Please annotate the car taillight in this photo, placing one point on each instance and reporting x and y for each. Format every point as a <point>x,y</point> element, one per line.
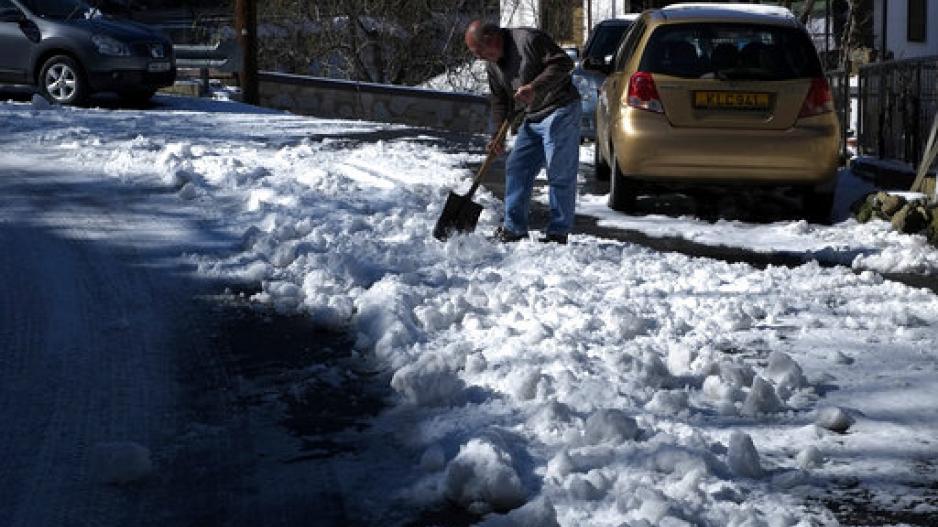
<point>819,99</point>
<point>643,94</point>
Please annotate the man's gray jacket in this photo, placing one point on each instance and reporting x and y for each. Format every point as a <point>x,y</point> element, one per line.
<point>530,56</point>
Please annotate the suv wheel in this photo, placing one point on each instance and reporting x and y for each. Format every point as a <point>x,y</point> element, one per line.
<point>622,192</point>
<point>62,81</point>
<point>601,167</point>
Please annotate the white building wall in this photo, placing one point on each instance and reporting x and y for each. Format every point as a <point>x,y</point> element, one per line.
<point>523,13</point>
<point>519,13</point>
<point>603,9</point>
<point>897,38</point>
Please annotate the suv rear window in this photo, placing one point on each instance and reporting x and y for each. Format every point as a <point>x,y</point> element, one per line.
<point>731,52</point>
<point>605,40</point>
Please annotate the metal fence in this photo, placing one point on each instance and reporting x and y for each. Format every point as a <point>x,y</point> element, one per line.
<point>840,89</point>
<point>898,101</point>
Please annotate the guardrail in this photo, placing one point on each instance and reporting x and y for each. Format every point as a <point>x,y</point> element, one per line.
<point>342,99</point>
<point>225,56</point>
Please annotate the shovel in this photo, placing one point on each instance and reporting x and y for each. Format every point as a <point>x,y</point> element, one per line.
<point>460,213</point>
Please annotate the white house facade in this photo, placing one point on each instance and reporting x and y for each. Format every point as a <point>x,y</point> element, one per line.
<point>906,28</point>
<point>585,13</point>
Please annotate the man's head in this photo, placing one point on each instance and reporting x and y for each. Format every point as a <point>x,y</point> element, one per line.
<point>484,40</point>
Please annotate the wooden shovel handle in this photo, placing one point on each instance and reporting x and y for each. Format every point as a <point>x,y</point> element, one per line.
<point>499,137</point>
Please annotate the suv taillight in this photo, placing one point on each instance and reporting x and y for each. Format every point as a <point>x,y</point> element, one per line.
<point>819,99</point>
<point>643,94</point>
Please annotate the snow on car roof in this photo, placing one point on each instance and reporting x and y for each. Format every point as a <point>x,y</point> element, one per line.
<point>726,11</point>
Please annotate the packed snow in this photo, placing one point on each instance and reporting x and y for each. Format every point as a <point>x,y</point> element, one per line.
<point>599,383</point>
<point>872,246</point>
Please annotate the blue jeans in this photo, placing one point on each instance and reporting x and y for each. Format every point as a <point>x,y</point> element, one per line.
<point>555,143</point>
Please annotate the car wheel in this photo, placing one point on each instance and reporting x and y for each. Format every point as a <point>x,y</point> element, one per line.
<point>62,80</point>
<point>817,205</point>
<point>622,192</point>
<point>601,167</point>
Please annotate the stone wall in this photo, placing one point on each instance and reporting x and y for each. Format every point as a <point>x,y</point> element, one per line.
<point>337,99</point>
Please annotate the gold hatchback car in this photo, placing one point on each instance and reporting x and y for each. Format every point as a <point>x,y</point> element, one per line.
<point>717,94</point>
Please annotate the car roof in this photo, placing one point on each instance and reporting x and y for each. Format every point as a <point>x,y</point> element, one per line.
<point>756,13</point>
<point>622,20</point>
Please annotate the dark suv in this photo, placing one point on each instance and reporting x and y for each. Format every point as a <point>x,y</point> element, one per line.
<point>603,41</point>
<point>69,50</point>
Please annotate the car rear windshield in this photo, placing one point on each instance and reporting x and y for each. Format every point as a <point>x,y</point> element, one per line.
<point>731,52</point>
<point>606,40</point>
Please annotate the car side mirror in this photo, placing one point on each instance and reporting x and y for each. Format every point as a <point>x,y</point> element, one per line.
<point>597,64</point>
<point>572,52</point>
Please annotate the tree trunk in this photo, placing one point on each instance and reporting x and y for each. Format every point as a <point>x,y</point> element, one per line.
<point>808,8</point>
<point>246,27</point>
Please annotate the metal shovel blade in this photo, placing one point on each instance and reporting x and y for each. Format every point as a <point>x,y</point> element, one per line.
<point>460,214</point>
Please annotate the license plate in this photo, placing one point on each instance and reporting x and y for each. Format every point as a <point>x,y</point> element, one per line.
<point>158,66</point>
<point>731,100</point>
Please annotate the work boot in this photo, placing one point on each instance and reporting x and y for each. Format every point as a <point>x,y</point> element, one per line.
<point>504,235</point>
<point>554,238</point>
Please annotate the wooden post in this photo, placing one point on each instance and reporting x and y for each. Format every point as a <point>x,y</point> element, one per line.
<point>246,27</point>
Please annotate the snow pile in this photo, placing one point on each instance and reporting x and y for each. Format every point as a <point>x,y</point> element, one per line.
<point>609,426</point>
<point>834,419</point>
<point>810,457</point>
<point>742,458</point>
<point>874,245</point>
<point>597,383</point>
<point>482,479</point>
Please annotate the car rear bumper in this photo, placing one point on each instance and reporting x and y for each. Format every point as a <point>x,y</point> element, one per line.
<point>648,147</point>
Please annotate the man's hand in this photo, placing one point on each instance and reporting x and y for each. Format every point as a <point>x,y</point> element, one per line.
<point>525,94</point>
<point>498,147</point>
